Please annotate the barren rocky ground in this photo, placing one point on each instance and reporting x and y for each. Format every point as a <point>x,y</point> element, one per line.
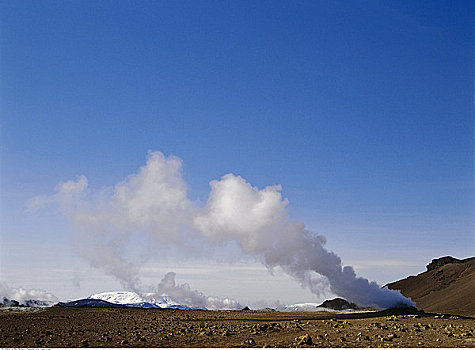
<point>127,327</point>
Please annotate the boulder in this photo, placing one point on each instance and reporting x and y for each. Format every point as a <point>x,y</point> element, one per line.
<point>304,340</point>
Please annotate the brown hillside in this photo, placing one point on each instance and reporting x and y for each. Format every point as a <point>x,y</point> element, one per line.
<point>448,288</point>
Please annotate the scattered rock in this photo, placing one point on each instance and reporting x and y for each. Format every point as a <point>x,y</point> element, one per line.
<point>390,337</point>
<point>165,328</point>
<point>249,342</point>
<point>304,340</point>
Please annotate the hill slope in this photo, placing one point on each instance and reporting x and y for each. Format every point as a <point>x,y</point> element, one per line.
<point>448,286</point>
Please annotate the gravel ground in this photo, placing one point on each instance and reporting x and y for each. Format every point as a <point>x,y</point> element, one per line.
<point>127,327</point>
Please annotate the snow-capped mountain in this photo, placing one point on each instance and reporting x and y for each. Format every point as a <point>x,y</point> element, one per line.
<point>132,299</point>
<point>118,297</point>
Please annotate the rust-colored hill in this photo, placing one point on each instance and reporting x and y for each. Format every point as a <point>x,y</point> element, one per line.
<point>448,286</point>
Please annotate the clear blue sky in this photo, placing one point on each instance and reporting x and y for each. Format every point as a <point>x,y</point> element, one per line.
<point>361,110</point>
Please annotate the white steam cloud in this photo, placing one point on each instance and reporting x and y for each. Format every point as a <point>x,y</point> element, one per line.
<point>26,297</point>
<point>154,202</point>
<point>193,298</point>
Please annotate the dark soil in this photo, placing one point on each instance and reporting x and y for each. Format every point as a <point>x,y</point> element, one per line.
<point>128,327</point>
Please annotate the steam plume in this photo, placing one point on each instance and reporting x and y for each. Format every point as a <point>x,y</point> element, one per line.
<point>154,202</point>
<point>29,297</point>
<point>258,221</point>
<point>193,298</point>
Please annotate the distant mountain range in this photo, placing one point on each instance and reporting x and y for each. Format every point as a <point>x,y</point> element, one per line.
<point>126,299</point>
<point>131,299</point>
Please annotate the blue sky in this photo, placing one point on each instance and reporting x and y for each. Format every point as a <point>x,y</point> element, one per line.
<point>362,111</point>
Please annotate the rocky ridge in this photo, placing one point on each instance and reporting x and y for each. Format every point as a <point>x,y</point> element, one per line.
<point>448,286</point>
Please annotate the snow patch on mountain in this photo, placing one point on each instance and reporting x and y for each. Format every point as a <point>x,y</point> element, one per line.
<point>118,297</point>
<point>132,299</point>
